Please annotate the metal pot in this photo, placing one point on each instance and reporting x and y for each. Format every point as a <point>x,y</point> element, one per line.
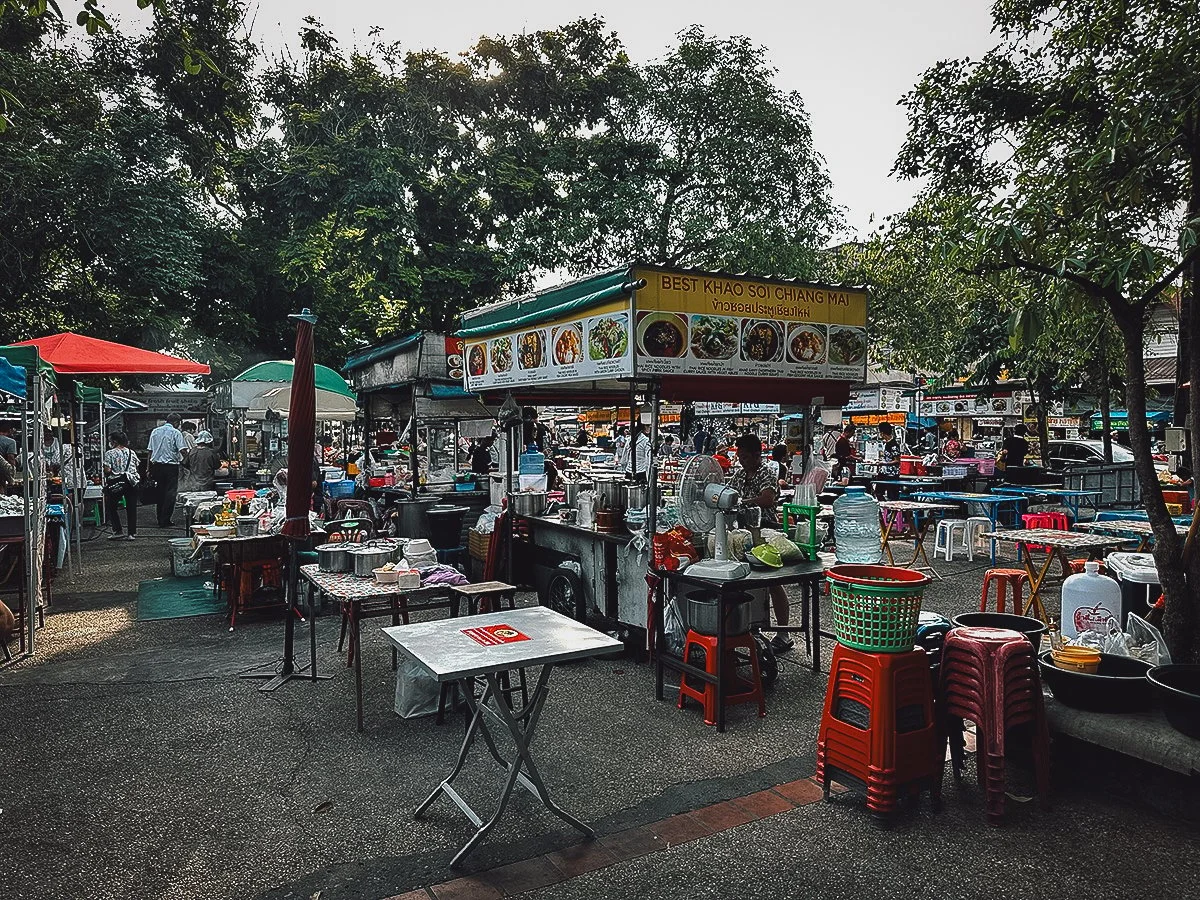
<point>608,493</point>
<point>368,558</point>
<point>570,491</point>
<point>704,612</point>
<point>333,558</point>
<point>529,503</point>
<point>636,496</point>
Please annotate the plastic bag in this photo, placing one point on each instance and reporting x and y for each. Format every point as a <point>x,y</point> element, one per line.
<point>673,631</point>
<point>417,691</point>
<point>1115,642</point>
<point>1146,642</point>
<point>740,540</point>
<point>486,523</point>
<point>788,551</point>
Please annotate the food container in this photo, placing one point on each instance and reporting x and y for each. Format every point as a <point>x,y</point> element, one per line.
<point>369,557</point>
<point>1178,689</point>
<point>704,612</point>
<point>634,496</point>
<point>200,530</point>
<point>1118,685</point>
<point>609,493</point>
<point>333,557</point>
<point>387,576</point>
<point>408,578</point>
<point>529,503</point>
<point>247,526</point>
<point>219,531</point>
<point>1076,659</point>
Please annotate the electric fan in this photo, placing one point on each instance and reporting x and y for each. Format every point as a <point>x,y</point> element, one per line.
<point>704,500</point>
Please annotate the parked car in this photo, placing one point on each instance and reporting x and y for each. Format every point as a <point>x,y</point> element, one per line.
<point>1068,454</point>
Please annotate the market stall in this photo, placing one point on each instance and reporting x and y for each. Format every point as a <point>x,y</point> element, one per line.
<point>639,335</point>
<point>415,383</point>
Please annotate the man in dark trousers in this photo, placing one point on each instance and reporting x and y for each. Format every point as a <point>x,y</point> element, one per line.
<point>167,449</point>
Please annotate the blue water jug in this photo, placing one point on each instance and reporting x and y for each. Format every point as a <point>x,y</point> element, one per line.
<point>856,530</point>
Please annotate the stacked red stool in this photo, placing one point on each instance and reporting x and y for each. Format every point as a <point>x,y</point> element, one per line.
<point>878,727</point>
<point>989,676</point>
<point>706,694</point>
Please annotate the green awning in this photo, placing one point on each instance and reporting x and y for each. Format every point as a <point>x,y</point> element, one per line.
<point>371,354</point>
<point>549,304</point>
<point>278,371</point>
<point>28,357</point>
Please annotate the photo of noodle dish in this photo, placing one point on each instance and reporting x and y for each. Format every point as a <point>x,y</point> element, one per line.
<point>568,345</point>
<point>806,344</point>
<point>762,341</point>
<point>714,337</point>
<point>501,353</point>
<point>531,349</point>
<point>662,334</point>
<point>847,346</point>
<point>477,360</point>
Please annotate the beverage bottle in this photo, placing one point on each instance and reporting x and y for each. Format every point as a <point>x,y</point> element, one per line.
<point>856,529</point>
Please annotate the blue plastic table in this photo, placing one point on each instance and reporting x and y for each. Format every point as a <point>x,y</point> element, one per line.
<point>1070,499</point>
<point>991,504</point>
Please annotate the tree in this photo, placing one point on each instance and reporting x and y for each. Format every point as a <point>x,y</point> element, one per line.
<point>705,162</point>
<point>1077,142</point>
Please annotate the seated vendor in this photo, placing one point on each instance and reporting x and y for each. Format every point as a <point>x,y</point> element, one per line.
<point>758,485</point>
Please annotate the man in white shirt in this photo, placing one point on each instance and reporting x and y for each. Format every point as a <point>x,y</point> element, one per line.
<point>637,454</point>
<point>167,449</point>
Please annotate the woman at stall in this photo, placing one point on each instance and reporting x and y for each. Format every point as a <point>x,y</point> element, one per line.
<point>758,485</point>
<point>889,466</point>
<point>952,448</point>
<point>121,483</point>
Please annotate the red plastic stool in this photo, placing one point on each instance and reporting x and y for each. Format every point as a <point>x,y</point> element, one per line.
<point>989,676</point>
<point>1008,581</point>
<point>1077,566</point>
<point>878,727</point>
<point>706,695</point>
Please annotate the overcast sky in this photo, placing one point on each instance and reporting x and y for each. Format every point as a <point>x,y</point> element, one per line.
<point>849,59</point>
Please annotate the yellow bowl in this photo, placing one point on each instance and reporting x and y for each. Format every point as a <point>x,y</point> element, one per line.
<point>1077,659</point>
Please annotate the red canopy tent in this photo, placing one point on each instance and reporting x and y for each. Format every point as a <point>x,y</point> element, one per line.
<point>74,354</point>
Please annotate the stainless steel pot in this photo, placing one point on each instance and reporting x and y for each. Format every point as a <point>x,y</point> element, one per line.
<point>529,503</point>
<point>570,491</point>
<point>704,612</point>
<point>608,493</point>
<point>333,558</point>
<point>369,557</point>
<point>635,496</point>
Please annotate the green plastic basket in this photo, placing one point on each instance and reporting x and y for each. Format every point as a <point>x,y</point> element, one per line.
<point>876,608</point>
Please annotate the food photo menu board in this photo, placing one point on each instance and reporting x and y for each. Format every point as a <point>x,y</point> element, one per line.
<point>593,346</point>
<point>695,324</point>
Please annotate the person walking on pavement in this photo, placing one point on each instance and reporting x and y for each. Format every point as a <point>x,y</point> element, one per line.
<point>120,483</point>
<point>167,449</point>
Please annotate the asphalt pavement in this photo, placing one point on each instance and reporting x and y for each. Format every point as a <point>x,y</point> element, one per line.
<point>138,765</point>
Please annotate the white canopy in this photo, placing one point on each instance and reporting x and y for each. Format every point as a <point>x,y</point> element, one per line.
<point>331,406</point>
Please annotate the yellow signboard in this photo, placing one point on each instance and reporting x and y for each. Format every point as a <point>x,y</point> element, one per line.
<point>697,324</point>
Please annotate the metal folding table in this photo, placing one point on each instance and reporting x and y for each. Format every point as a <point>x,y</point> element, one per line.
<point>808,575</point>
<point>1138,530</point>
<point>921,523</point>
<point>467,648</point>
<point>1070,499</point>
<point>354,593</point>
<point>1055,544</point>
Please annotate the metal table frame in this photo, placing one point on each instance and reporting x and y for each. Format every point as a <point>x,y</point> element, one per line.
<point>1054,544</point>
<point>398,607</point>
<point>1131,529</point>
<point>490,663</point>
<point>921,525</point>
<point>1071,499</point>
<point>807,575</point>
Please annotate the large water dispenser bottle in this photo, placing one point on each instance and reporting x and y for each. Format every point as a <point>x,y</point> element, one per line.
<point>856,530</point>
<point>1089,600</point>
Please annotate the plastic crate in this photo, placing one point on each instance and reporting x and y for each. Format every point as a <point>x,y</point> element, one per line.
<point>340,490</point>
<point>876,608</point>
<point>954,471</point>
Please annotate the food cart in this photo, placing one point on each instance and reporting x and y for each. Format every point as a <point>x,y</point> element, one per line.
<point>416,382</point>
<point>638,335</point>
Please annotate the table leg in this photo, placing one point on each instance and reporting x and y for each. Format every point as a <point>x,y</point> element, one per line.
<point>721,666</point>
<point>919,550</point>
<point>814,593</point>
<point>356,647</point>
<point>805,619</point>
<point>887,533</point>
<point>467,688</point>
<point>659,638</point>
<point>1034,603</point>
<point>312,630</point>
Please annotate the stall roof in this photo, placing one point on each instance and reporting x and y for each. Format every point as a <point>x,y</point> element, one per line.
<point>12,379</point>
<point>30,359</point>
<point>76,354</point>
<point>279,371</point>
<point>375,353</point>
<point>559,300</point>
<point>1152,415</point>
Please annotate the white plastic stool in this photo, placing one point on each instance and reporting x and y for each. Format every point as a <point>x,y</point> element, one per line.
<point>943,539</point>
<point>976,525</point>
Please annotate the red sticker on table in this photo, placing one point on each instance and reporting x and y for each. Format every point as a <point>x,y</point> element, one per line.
<point>492,635</point>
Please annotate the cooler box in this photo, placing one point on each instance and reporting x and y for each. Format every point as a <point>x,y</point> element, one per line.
<point>1138,577</point>
<point>532,464</point>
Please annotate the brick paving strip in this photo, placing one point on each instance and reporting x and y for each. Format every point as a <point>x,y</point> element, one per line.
<point>578,859</point>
